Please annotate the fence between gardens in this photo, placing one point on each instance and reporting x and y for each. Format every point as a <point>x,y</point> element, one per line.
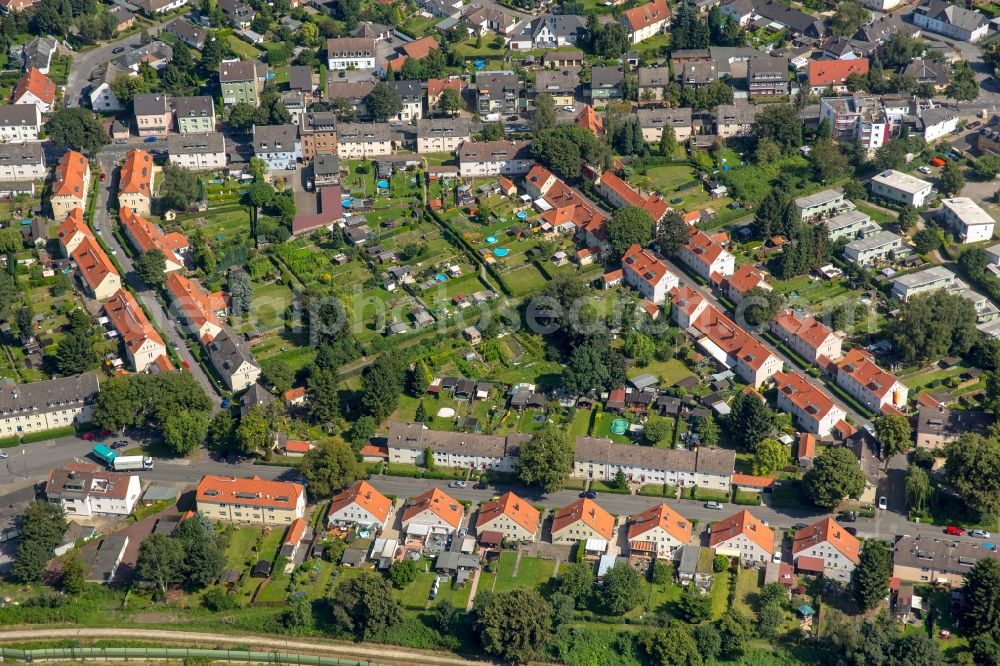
<point>126,653</point>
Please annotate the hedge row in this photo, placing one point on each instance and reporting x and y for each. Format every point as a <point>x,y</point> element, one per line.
<point>65,431</point>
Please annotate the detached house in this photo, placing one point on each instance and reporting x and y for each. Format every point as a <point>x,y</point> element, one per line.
<point>744,536</point>
<point>809,338</point>
<point>360,505</point>
<point>549,31</point>
<point>582,520</point>
<point>647,274</point>
<point>432,511</point>
<point>195,309</point>
<point>251,500</point>
<point>858,374</point>
<point>811,406</point>
<point>86,490</point>
<point>953,21</point>
<point>35,88</point>
<point>833,73</point>
<point>135,184</point>
<point>511,516</point>
<point>153,115</point>
<point>241,81</point>
<point>143,345</point>
<point>658,531</point>
<point>72,181</point>
<point>826,547</point>
<point>646,20</point>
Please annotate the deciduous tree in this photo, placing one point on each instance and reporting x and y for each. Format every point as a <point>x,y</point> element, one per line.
<point>161,560</point>
<point>546,459</point>
<point>972,466</point>
<point>834,475</point>
<point>622,589</point>
<point>329,467</point>
<point>514,625</point>
<point>184,431</point>
<point>629,226</point>
<point>365,606</point>
<point>770,456</point>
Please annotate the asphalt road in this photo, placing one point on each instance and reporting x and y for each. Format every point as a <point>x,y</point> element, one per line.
<point>146,295</point>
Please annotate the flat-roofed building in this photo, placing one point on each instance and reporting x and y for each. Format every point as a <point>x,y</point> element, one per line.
<point>931,279</point>
<point>971,223</point>
<point>901,188</point>
<point>819,203</point>
<point>879,247</point>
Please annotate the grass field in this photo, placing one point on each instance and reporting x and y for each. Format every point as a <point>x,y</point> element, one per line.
<point>720,593</point>
<point>531,572</point>
<point>670,371</point>
<point>417,594</point>
<point>747,584</point>
<point>242,49</point>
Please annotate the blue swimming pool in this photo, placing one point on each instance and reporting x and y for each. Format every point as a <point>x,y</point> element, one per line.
<point>479,64</point>
<point>501,252</point>
<point>347,203</point>
<point>383,184</point>
<point>440,277</point>
<point>522,215</point>
<point>491,239</point>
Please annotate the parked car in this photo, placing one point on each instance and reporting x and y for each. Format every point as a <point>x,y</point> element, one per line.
<point>954,531</point>
<point>883,503</point>
<point>569,108</point>
<point>847,517</point>
<point>103,176</point>
<point>853,531</point>
<point>588,494</point>
<point>464,532</point>
<point>149,139</point>
<point>88,436</point>
<point>973,125</point>
<point>3,455</point>
<point>120,444</point>
<point>117,50</point>
<point>979,534</point>
<point>480,486</point>
<point>776,557</point>
<point>457,484</point>
<point>799,526</point>
<point>924,169</point>
<point>714,505</point>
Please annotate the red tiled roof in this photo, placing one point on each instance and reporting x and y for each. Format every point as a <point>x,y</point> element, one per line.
<point>148,236</point>
<point>437,502</point>
<point>827,530</point>
<point>374,450</point>
<point>295,531</point>
<point>703,247</point>
<point>663,516</point>
<point>860,365</point>
<point>515,508</point>
<point>364,495</point>
<point>590,512</point>
<point>72,225</point>
<point>803,394</point>
<point>253,491</point>
<point>732,339</point>
<point>589,119</point>
<point>807,446</point>
<point>420,48</point>
<point>295,393</point>
<point>647,14</point>
<point>137,173</point>
<point>655,206</point>
<point>835,72</point>
<point>437,86</point>
<point>692,217</point>
<point>298,446</point>
<point>94,264</point>
<point>37,84</point>
<point>613,276</point>
<point>810,329</point>
<point>188,296</point>
<point>750,481</point>
<point>130,321</point>
<point>809,563</point>
<point>70,175</point>
<point>645,264</point>
<point>742,523</point>
<point>163,363</point>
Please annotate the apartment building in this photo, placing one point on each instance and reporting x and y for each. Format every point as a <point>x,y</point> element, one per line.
<point>359,506</point>
<point>957,22</point>
<point>97,274</point>
<point>241,81</point>
<point>744,536</point>
<point>812,408</point>
<point>820,204</point>
<point>808,337</point>
<point>560,84</point>
<point>744,279</point>
<point>705,256</point>
<point>72,231</point>
<point>433,511</point>
<point>135,182</point>
<point>22,162</point>
<point>350,53</point>
<point>408,442</point>
<point>278,146</point>
<point>938,426</point>
<point>145,236</point>
<point>412,95</point>
<point>582,520</point>
<point>931,279</point>
<point>362,141</point>
<point>650,82</point>
<point>767,76</point>
<point>936,561</point>
<point>143,345</point>
<point>198,152</point>
<point>494,158</point>
<point>153,115</point>
<point>857,118</point>
<point>85,490</point>
<point>829,547</point>
<point>647,274</point>
<point>497,93</point>
<point>194,115</point>
<point>70,185</point>
<point>442,135</point>
<point>35,88</point>
<point>654,121</point>
<point>646,20</point>
<point>48,404</point>
<point>601,459</point>
<point>719,337</point>
<point>251,501</point>
<point>882,246</point>
<point>735,119</point>
<point>620,195</point>
<point>317,134</point>
<point>233,360</point>
<point>659,531</point>
<point>20,123</point>
<point>195,309</point>
<point>901,188</point>
<point>511,516</point>
<point>971,223</point>
<point>858,374</point>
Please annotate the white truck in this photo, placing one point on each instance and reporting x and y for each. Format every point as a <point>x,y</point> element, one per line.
<point>131,463</point>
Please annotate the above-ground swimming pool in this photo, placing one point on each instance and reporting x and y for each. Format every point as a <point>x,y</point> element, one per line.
<point>347,203</point>
<point>521,215</point>
<point>479,64</point>
<point>491,239</point>
<point>619,426</point>
<point>440,277</point>
<point>383,184</point>
<point>501,252</point>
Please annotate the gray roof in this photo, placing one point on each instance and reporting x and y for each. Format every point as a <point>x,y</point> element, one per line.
<point>497,83</point>
<point>739,114</point>
<point>451,561</point>
<point>926,276</point>
<point>951,422</point>
<point>15,154</point>
<point>558,81</point>
<point>300,77</point>
<point>188,32</point>
<point>873,242</point>
<point>689,559</point>
<point>350,47</point>
<point>564,54</point>
<point>924,70</point>
<point>947,556</point>
<point>228,353</point>
<point>200,106</point>
<point>369,29</point>
<point>150,104</point>
<point>560,25</point>
<point>493,151</point>
<point>663,117</point>
<point>18,114</point>
<point>49,395</point>
<point>657,77</point>
<point>595,449</point>
<point>846,219</point>
<point>767,65</point>
<point>319,121</point>
<point>443,127</point>
<point>818,198</point>
<point>106,560</point>
<point>416,436</point>
<point>882,28</point>
<point>355,91</point>
<point>237,71</point>
<point>946,12</point>
<point>715,461</point>
<point>326,164</point>
<point>196,144</point>
<point>363,133</point>
<point>271,138</point>
<point>606,77</point>
<point>410,91</point>
<point>793,18</point>
<point>255,395</point>
<point>157,50</point>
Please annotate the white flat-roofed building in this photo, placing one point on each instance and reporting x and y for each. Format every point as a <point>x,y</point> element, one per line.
<point>849,224</point>
<point>971,223</point>
<point>879,247</point>
<point>819,203</point>
<point>906,287</point>
<point>901,188</point>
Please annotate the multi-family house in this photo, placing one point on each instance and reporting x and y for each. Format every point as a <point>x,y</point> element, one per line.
<point>97,274</point>
<point>647,20</point>
<point>820,204</point>
<point>195,115</point>
<point>195,309</point>
<point>233,360</point>
<point>350,53</point>
<point>513,517</point>
<point>548,31</point>
<point>497,93</point>
<point>937,122</point>
<point>251,500</point>
<point>812,408</point>
<point>735,119</point>
<point>808,337</point>
<point>970,223</point>
<point>938,425</point>
<point>198,152</point>
<point>850,224</point>
<point>359,506</point>
<point>317,134</point>
<point>241,81</point>
<point>20,123</point>
<point>35,88</point>
<point>878,247</point>
<point>858,374</point>
<point>620,195</point>
<point>357,141</point>
<point>767,76</point>
<point>658,531</point>
<point>135,183</point>
<point>901,188</point>
<point>957,22</point>
<point>85,490</point>
<point>831,549</point>
<point>933,561</point>
<point>192,35</point>
<point>744,536</point>
<point>47,404</point>
<point>650,82</point>
<point>601,459</point>
<point>145,236</point>
<point>143,345</point>
<point>355,92</point>
<point>432,511</point>
<point>412,95</point>
<point>743,279</point>
<point>102,96</point>
<point>559,84</point>
<point>864,120</point>
<point>605,84</point>
<point>22,162</point>
<point>72,231</point>
<point>648,274</point>
<point>153,115</point>
<point>408,443</point>
<point>442,135</point>
<point>697,73</point>
<point>435,87</point>
<point>928,280</point>
<point>300,79</point>
<point>494,158</point>
<point>582,520</point>
<point>278,146</point>
<point>705,256</point>
<point>654,121</point>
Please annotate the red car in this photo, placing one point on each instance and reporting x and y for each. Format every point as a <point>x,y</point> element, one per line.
<point>186,366</point>
<point>103,176</point>
<point>954,531</point>
<point>88,436</point>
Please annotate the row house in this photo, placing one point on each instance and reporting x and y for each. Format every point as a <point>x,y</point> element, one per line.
<point>85,490</point>
<point>195,115</point>
<point>358,141</point>
<point>859,375</point>
<point>744,536</point>
<point>926,281</point>
<point>278,146</point>
<point>135,182</point>
<point>153,115</point>
<point>20,123</point>
<point>601,459</point>
<point>250,501</point>
<point>705,256</point>
<point>317,134</point>
<point>654,121</point>
<point>850,224</point>
<point>408,443</point>
<point>878,247</point>
<point>35,88</point>
<point>582,520</point>
<point>659,531</point>
<point>646,20</point>
<point>814,410</point>
<point>745,278</point>
<point>494,158</point>
<point>809,338</point>
<point>350,53</point>
<point>412,95</point>
<point>559,84</point>
<point>359,506</point>
<point>47,404</point>
<point>564,204</point>
<point>934,561</point>
<point>198,152</point>
<point>22,162</point>
<point>199,312</point>
<point>442,135</point>
<point>145,236</point>
<point>143,345</point>
<point>648,274</point>
<point>819,204</point>
<point>826,547</point>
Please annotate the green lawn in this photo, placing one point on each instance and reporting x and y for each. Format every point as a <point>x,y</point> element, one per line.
<point>524,280</point>
<point>417,594</point>
<point>669,372</point>
<point>747,583</point>
<point>877,214</point>
<point>532,572</point>
<point>720,593</point>
<point>662,595</point>
<point>242,49</point>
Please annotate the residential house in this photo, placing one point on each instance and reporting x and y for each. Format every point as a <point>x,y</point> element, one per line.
<point>601,459</point>
<point>47,404</point>
<point>195,309</point>
<point>735,119</point>
<point>901,188</point>
<point>20,122</point>
<point>156,54</point>
<point>813,409</point>
<point>326,170</point>
<point>85,490</point>
<point>300,78</point>
<point>484,18</point>
<point>970,223</point>
<point>318,133</point>
<point>233,361</point>
<point>35,88</point>
<point>939,425</point>
<point>97,274</point>
<point>251,500</point>
<point>198,152</point>
<point>278,146</point>
<point>433,511</point>
<point>833,74</point>
<point>929,72</point>
<point>135,182</point>
<point>442,135</point>
<point>408,443</point>
<point>769,12</point>
<point>957,22</point>
<point>648,274</point>
<point>650,82</point>
<point>850,224</point>
<point>744,536</point>
<point>494,158</point>
<point>413,100</point>
<point>497,93</point>
<point>705,256</point>
<point>360,505</point>
<point>934,561</point>
<point>658,531</point>
<point>188,33</point>
<point>241,81</point>
<point>563,58</point>
<point>590,121</point>
<point>653,122</point>
<point>548,31</point>
<point>143,345</point>
<point>866,448</point>
<point>356,141</point>
<point>858,374</point>
<point>835,550</point>
<point>744,279</point>
<point>511,516</point>
<point>808,337</point>
<point>240,15</point>
<point>559,84</point>
<point>72,231</point>
<point>37,52</point>
<point>882,246</point>
<point>195,115</point>
<point>862,119</point>
<point>102,96</point>
<point>882,27</point>
<point>435,87</point>
<point>606,83</point>
<point>767,76</point>
<point>646,20</point>
<point>582,520</point>
<point>928,280</point>
<point>22,162</point>
<point>697,73</point>
<point>937,122</point>
<point>153,115</point>
<point>153,7</point>
<point>145,236</point>
<point>620,195</point>
<point>350,53</point>
<point>355,92</point>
